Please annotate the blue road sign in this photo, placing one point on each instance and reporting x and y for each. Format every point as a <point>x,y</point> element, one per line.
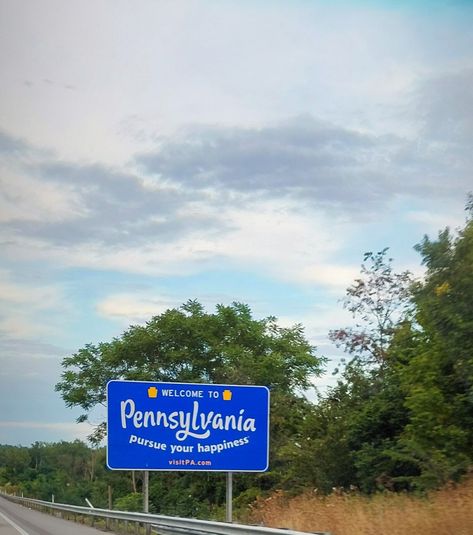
<point>182,426</point>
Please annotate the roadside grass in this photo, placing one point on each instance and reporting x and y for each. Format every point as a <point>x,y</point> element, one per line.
<point>448,511</point>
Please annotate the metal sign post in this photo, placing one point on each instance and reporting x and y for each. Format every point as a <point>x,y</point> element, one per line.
<point>146,498</point>
<point>229,494</point>
<point>146,491</point>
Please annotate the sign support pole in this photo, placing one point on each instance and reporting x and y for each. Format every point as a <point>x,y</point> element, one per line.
<point>146,498</point>
<point>229,496</point>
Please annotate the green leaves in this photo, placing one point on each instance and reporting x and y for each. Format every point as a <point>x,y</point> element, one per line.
<point>404,404</point>
<point>401,414</point>
<point>438,380</point>
<point>378,300</point>
<point>190,345</point>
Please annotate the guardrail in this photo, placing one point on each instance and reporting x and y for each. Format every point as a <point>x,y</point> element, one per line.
<point>164,525</point>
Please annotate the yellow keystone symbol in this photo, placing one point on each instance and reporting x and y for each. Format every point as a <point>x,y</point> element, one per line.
<point>227,395</point>
<point>152,392</point>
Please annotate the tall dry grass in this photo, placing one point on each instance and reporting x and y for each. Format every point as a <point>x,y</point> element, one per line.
<point>445,512</point>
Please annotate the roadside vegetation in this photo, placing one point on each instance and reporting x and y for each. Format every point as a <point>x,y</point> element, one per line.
<point>394,436</point>
<point>442,512</point>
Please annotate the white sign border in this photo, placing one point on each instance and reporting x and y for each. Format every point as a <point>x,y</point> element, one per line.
<point>190,469</point>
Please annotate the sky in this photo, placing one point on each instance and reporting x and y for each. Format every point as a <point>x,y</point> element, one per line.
<point>153,152</point>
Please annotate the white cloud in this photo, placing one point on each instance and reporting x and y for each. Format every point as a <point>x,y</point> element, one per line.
<point>133,308</point>
<point>141,76</point>
<point>280,239</point>
<point>67,430</point>
<point>331,276</point>
<point>38,297</point>
<point>24,325</point>
<point>433,221</point>
<point>277,238</point>
<point>319,319</point>
<point>170,63</point>
<point>24,306</point>
<point>24,198</point>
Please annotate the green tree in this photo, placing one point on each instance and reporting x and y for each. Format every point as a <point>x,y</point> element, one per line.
<point>191,345</point>
<point>438,380</point>
<point>129,502</point>
<point>378,300</point>
<point>352,432</point>
<point>15,462</point>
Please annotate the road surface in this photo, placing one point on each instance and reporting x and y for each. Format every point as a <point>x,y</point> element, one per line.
<point>19,520</point>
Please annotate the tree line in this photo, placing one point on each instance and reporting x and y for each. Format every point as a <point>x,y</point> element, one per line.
<point>399,418</point>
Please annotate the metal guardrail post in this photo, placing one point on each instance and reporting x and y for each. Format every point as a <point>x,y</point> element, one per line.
<point>107,520</point>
